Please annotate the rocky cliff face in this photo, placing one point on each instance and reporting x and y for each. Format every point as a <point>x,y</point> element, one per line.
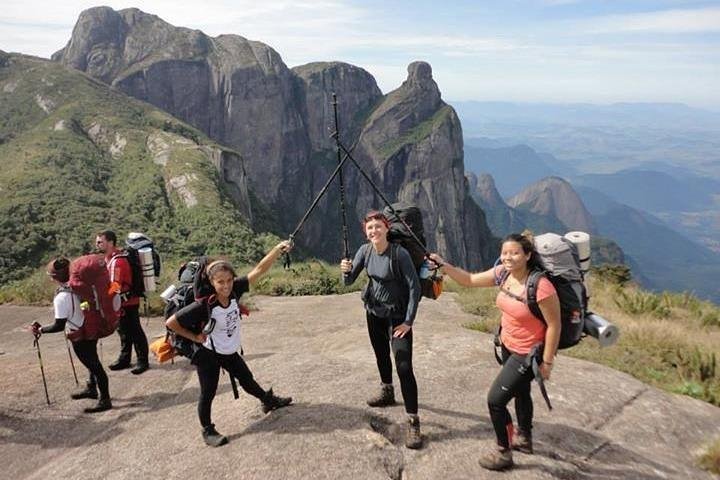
<point>502,219</point>
<point>241,93</point>
<point>555,197</point>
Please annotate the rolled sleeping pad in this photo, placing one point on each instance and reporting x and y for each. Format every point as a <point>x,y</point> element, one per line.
<point>597,327</point>
<point>582,243</point>
<point>148,269</point>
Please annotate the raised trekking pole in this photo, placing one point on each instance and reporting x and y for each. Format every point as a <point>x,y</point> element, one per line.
<point>320,195</point>
<point>72,363</point>
<point>336,136</point>
<point>380,194</point>
<point>36,344</point>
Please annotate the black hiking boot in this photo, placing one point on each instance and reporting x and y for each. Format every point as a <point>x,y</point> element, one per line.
<point>119,365</point>
<point>499,458</point>
<point>140,368</point>
<point>522,442</point>
<point>272,402</point>
<point>384,398</point>
<point>413,439</point>
<point>102,405</point>
<point>212,437</point>
<point>87,392</point>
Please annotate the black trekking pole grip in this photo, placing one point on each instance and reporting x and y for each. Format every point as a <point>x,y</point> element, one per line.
<point>36,344</point>
<point>387,202</point>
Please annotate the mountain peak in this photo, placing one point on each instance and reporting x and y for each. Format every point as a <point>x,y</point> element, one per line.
<point>555,196</point>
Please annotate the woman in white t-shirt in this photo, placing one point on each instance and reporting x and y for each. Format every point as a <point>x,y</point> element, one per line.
<point>220,316</point>
<point>69,317</point>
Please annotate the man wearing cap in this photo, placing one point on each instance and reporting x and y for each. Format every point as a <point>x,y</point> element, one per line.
<point>129,328</point>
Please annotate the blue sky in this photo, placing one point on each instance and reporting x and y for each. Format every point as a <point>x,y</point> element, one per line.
<point>512,50</point>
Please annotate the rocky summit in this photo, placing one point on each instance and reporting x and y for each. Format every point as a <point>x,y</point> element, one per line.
<point>604,424</point>
<point>241,94</point>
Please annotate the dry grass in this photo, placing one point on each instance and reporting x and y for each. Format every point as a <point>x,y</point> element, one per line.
<point>710,460</point>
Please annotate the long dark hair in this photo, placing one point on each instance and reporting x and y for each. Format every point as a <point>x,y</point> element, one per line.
<point>525,239</point>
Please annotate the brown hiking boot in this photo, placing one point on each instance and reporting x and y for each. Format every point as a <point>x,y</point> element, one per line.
<point>499,458</point>
<point>522,442</point>
<point>385,398</point>
<point>413,439</point>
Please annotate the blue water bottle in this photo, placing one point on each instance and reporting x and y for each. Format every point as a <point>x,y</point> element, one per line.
<point>424,270</point>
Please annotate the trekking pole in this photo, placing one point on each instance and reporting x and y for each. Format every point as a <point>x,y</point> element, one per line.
<point>336,136</point>
<point>72,363</point>
<point>379,193</point>
<point>101,352</point>
<point>36,344</point>
<point>316,201</point>
<point>145,308</point>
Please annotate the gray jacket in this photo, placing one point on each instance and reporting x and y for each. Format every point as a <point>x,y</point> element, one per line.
<point>392,291</point>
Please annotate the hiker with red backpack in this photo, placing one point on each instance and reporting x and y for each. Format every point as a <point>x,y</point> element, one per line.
<point>528,343</point>
<point>391,300</point>
<point>83,321</point>
<point>130,330</point>
<point>213,323</point>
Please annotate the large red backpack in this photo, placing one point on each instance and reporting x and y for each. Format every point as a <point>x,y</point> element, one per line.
<point>90,280</point>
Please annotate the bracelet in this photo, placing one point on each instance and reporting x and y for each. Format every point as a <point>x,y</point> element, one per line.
<point>548,363</point>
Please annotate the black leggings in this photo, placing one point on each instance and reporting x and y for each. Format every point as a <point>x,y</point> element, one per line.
<point>131,333</point>
<point>513,381</point>
<point>86,351</point>
<point>380,331</point>
<point>208,365</point>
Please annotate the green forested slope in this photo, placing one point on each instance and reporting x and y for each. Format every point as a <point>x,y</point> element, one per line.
<point>77,157</point>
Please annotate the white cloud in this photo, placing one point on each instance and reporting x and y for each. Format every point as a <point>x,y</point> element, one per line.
<point>667,21</point>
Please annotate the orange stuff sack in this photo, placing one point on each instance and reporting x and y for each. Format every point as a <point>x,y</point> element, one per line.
<point>162,349</point>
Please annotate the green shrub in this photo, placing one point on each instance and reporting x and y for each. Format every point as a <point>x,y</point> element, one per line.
<point>307,278</point>
<point>614,273</point>
<point>639,302</point>
<point>710,460</point>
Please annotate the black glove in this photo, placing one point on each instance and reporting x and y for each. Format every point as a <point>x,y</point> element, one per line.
<point>36,329</point>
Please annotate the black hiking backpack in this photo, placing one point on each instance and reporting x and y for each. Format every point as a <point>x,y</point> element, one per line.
<point>431,287</point>
<point>136,241</point>
<point>561,265</point>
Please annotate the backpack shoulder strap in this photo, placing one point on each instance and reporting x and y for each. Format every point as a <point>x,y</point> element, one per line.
<point>368,247</point>
<point>531,285</point>
<point>394,261</point>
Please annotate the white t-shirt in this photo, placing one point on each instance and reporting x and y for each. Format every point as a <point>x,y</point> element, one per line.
<point>67,305</point>
<point>226,334</point>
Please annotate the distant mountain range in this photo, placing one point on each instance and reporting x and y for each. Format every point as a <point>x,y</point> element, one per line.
<point>662,258</point>
<point>600,139</point>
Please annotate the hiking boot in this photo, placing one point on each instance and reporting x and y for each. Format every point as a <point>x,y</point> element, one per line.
<point>384,398</point>
<point>522,442</point>
<point>87,392</point>
<point>499,458</point>
<point>212,437</point>
<point>102,405</point>
<point>413,439</point>
<point>140,368</point>
<point>272,402</point>
<point>119,365</point>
